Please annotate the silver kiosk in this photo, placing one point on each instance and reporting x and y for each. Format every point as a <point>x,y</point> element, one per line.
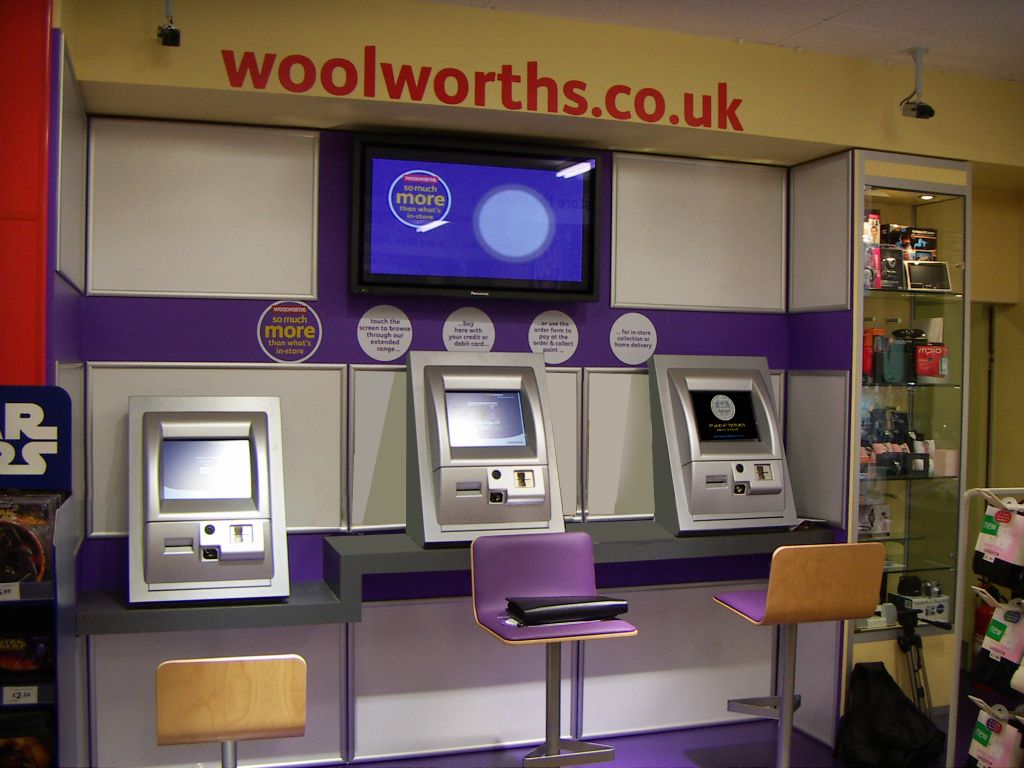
<point>719,461</point>
<point>481,456</point>
<point>206,499</point>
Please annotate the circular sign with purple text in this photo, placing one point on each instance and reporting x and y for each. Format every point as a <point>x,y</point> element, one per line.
<point>289,331</point>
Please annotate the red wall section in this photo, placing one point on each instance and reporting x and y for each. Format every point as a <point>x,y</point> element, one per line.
<point>25,68</point>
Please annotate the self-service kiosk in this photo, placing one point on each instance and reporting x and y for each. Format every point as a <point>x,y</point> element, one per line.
<point>719,461</point>
<point>480,457</point>
<point>206,499</point>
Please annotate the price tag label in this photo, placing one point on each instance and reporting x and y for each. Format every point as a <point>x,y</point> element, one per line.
<point>10,590</point>
<point>15,695</point>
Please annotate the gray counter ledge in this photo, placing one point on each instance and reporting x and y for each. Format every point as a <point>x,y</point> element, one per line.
<point>348,558</point>
<point>107,613</point>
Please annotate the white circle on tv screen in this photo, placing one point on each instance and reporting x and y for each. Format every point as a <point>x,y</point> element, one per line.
<point>514,223</point>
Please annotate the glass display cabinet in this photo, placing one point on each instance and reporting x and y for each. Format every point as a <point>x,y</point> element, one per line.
<point>911,229</point>
<point>912,372</point>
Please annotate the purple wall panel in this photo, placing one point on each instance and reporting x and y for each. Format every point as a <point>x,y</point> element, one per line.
<point>820,341</point>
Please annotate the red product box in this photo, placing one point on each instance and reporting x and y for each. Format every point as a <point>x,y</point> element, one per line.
<point>931,361</point>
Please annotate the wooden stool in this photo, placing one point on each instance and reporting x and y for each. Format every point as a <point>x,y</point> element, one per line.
<point>813,582</point>
<point>230,699</point>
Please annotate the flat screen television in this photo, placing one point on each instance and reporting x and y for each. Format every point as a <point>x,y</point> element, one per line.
<point>473,219</point>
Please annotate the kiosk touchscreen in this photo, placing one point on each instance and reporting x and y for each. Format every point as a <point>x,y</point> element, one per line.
<point>206,499</point>
<point>480,456</point>
<point>719,462</point>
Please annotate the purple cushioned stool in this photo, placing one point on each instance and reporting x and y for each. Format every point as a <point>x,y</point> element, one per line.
<point>542,565</point>
<point>813,582</point>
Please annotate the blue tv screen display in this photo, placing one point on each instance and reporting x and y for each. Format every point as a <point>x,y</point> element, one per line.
<point>459,221</point>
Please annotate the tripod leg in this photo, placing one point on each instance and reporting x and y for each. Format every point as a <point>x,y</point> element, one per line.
<point>919,679</point>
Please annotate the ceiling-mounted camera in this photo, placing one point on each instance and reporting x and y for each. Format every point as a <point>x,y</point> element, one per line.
<point>169,35</point>
<point>914,105</point>
<point>917,108</point>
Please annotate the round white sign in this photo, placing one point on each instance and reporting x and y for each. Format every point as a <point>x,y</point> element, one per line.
<point>633,338</point>
<point>468,330</point>
<point>555,334</point>
<point>384,332</point>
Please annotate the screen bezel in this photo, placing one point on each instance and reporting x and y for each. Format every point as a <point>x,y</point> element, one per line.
<point>682,381</point>
<point>421,150</point>
<point>161,426</point>
<point>438,380</point>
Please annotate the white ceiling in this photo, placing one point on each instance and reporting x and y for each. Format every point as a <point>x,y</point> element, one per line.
<point>976,37</point>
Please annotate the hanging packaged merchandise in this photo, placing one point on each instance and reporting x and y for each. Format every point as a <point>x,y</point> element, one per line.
<point>996,739</point>
<point>983,612</point>
<point>999,551</point>
<point>1003,646</point>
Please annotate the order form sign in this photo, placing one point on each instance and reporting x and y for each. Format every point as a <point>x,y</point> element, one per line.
<point>555,334</point>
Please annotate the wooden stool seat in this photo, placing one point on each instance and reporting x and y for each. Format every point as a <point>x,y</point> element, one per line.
<point>230,699</point>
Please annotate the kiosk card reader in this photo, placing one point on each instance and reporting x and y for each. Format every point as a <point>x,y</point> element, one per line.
<point>719,462</point>
<point>480,457</point>
<point>206,499</point>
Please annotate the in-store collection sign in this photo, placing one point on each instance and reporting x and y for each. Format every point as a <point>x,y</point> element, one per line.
<point>35,438</point>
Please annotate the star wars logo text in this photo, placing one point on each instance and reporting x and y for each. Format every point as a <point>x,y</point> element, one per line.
<point>24,440</point>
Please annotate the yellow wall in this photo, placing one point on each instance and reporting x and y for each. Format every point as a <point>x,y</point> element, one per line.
<point>787,96</point>
<point>996,221</point>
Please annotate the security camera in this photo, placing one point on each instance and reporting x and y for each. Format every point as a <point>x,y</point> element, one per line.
<point>913,105</point>
<point>169,35</point>
<point>918,109</point>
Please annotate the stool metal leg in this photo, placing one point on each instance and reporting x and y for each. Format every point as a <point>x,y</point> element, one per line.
<point>229,754</point>
<point>783,702</point>
<point>787,642</point>
<point>553,700</point>
<point>556,751</point>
